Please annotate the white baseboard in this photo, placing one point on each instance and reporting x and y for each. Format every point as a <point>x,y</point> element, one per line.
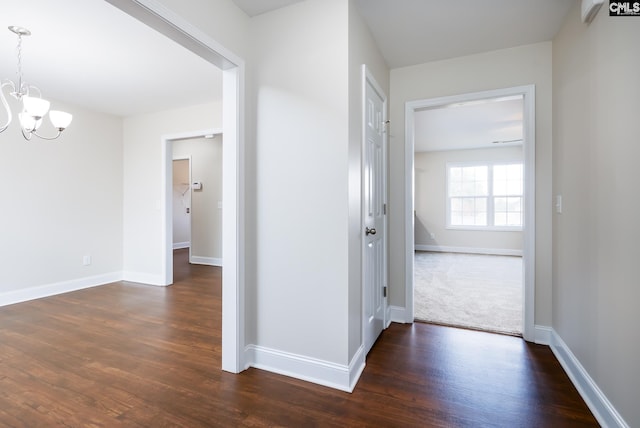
<point>180,245</point>
<point>32,293</point>
<point>469,250</point>
<point>324,373</point>
<point>597,402</point>
<point>210,261</point>
<point>144,278</point>
<point>398,314</point>
<point>356,367</point>
<point>542,335</point>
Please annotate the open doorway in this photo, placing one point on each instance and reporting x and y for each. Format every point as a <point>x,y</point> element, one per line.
<point>197,198</point>
<point>471,215</point>
<point>176,28</point>
<point>469,200</point>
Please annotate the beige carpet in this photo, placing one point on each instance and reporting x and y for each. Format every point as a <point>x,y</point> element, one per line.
<point>469,290</point>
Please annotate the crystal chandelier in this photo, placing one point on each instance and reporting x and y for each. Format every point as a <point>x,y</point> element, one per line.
<point>34,107</point>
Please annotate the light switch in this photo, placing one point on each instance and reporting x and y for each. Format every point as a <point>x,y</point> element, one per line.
<point>559,204</point>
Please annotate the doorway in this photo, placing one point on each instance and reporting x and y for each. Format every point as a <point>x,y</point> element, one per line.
<point>197,197</point>
<point>468,203</point>
<point>177,29</point>
<point>527,94</point>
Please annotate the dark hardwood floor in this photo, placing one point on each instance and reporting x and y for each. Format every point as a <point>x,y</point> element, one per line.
<point>141,356</point>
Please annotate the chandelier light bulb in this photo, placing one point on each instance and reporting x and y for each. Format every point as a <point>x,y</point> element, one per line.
<point>34,108</point>
<point>28,122</point>
<point>60,119</point>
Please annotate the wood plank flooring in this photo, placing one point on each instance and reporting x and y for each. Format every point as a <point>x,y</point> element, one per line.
<point>140,356</point>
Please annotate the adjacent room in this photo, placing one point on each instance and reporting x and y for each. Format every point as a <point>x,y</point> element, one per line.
<point>469,204</point>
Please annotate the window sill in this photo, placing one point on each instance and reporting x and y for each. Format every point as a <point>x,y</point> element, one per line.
<point>486,228</point>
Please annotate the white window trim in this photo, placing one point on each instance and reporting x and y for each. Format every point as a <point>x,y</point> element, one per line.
<point>490,209</point>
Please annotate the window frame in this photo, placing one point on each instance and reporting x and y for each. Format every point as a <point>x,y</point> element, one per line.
<point>490,196</point>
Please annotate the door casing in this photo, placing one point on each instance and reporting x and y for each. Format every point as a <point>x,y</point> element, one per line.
<point>529,227</point>
<point>159,17</point>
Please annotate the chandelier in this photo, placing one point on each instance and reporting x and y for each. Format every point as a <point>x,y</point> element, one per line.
<point>34,107</point>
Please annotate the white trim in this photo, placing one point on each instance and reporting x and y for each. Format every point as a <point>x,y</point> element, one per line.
<point>409,207</point>
<point>469,228</point>
<point>181,245</point>
<point>593,396</point>
<point>233,220</point>
<point>543,335</point>
<point>200,133</point>
<point>321,372</point>
<point>356,367</point>
<point>40,291</point>
<point>165,21</point>
<point>400,315</point>
<point>144,278</point>
<point>469,250</point>
<point>166,197</point>
<point>529,223</point>
<point>528,92</point>
<point>210,261</point>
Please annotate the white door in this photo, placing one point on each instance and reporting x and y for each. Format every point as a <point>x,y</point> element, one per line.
<point>374,207</point>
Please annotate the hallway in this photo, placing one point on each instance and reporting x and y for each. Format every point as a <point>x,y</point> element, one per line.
<point>126,354</point>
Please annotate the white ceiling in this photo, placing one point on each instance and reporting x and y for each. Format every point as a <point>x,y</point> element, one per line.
<point>411,32</point>
<point>92,54</point>
<point>470,125</point>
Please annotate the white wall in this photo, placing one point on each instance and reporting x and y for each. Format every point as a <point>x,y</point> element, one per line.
<point>492,70</point>
<point>206,216</point>
<point>595,245</point>
<point>143,184</point>
<point>61,200</point>
<point>298,175</point>
<point>302,183</point>
<point>431,201</point>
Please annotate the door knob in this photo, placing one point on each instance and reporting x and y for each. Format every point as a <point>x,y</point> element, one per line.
<point>371,231</point>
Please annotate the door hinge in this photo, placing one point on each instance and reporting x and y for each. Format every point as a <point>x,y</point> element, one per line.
<point>384,209</point>
<point>384,291</point>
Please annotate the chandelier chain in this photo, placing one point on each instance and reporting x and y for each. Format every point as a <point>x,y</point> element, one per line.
<point>19,69</point>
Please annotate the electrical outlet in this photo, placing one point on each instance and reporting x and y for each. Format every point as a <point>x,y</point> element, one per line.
<point>559,204</point>
<point>86,260</point>
<point>432,236</point>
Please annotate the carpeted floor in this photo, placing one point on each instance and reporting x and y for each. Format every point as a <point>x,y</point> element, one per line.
<point>469,290</point>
